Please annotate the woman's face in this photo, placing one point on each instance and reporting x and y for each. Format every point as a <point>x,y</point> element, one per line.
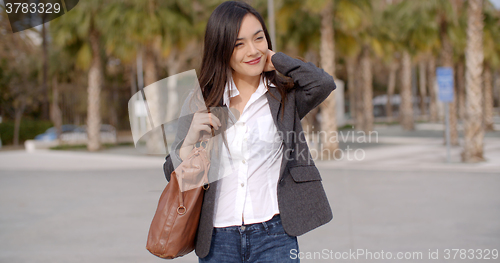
<point>250,51</point>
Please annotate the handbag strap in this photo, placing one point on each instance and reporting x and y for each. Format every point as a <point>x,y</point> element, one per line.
<point>182,209</point>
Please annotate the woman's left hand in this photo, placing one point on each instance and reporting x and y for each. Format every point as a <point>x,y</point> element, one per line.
<point>269,64</point>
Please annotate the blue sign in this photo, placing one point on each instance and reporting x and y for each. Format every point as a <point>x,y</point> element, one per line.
<point>444,76</point>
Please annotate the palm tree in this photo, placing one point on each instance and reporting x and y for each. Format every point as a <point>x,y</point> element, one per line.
<point>460,80</point>
<point>327,108</point>
<point>447,18</point>
<point>431,81</point>
<point>19,75</point>
<point>80,30</point>
<point>365,89</point>
<point>320,13</point>
<point>357,44</point>
<point>152,30</point>
<point>349,22</point>
<point>429,27</point>
<point>474,131</point>
<point>491,46</point>
<point>496,87</point>
<point>297,28</point>
<point>391,88</point>
<point>44,71</point>
<point>406,106</point>
<point>458,36</point>
<point>487,97</point>
<point>402,34</point>
<point>389,51</point>
<point>298,33</point>
<point>96,78</point>
<point>422,82</point>
<point>442,18</point>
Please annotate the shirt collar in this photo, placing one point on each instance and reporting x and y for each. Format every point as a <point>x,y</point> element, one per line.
<point>231,90</point>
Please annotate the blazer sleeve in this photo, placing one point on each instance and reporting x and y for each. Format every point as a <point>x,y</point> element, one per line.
<point>173,159</point>
<point>168,167</point>
<point>312,84</point>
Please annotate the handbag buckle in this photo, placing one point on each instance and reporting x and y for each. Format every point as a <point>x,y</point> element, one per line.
<point>181,210</point>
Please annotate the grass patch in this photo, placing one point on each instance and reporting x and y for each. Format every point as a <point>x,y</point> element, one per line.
<point>387,123</point>
<point>84,146</point>
<point>346,127</point>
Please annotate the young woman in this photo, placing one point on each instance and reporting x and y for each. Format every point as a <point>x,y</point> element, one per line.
<point>270,191</point>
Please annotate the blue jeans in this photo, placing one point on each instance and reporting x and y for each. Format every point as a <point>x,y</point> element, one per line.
<point>260,242</point>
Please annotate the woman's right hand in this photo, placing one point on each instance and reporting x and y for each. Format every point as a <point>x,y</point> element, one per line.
<point>203,122</point>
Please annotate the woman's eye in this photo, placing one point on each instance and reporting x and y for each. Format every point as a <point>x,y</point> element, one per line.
<point>239,44</point>
<point>260,37</point>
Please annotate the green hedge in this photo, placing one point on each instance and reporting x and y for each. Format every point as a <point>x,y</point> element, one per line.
<point>28,130</point>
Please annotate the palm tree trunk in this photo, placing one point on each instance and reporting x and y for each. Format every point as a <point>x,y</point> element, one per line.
<point>150,72</point>
<point>393,67</point>
<point>55,111</point>
<point>460,77</point>
<point>18,114</point>
<point>447,61</point>
<point>496,87</point>
<point>113,118</point>
<point>94,93</point>
<point>406,106</point>
<point>358,96</point>
<point>474,57</point>
<point>422,86</point>
<point>367,89</point>
<point>431,74</point>
<point>174,61</point>
<point>488,99</point>
<point>453,120</point>
<point>351,75</point>
<point>154,141</point>
<point>45,100</point>
<point>327,107</point>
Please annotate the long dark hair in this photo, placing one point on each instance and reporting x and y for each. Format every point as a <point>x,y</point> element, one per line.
<point>220,38</point>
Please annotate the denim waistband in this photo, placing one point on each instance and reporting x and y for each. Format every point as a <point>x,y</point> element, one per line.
<point>255,226</point>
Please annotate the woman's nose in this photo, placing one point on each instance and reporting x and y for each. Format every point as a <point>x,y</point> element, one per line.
<point>252,50</point>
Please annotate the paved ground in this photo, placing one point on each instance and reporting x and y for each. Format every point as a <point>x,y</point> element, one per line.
<point>60,206</point>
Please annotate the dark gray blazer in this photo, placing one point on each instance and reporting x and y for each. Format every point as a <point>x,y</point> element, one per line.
<point>302,200</point>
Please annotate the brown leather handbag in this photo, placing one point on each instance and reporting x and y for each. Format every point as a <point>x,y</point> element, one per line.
<point>173,229</point>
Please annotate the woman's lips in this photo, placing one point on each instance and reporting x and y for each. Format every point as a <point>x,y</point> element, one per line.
<point>253,62</point>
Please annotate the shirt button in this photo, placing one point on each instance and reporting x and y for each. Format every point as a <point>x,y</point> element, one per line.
<point>244,161</point>
<point>242,184</point>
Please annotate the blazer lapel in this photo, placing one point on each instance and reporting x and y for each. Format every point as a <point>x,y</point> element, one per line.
<point>274,104</point>
<point>285,125</point>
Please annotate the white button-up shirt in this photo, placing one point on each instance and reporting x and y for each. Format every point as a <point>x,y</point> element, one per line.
<point>248,188</point>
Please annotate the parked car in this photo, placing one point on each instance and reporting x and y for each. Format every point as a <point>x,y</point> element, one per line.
<point>51,133</point>
<point>108,134</point>
<point>74,135</point>
<point>379,104</point>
